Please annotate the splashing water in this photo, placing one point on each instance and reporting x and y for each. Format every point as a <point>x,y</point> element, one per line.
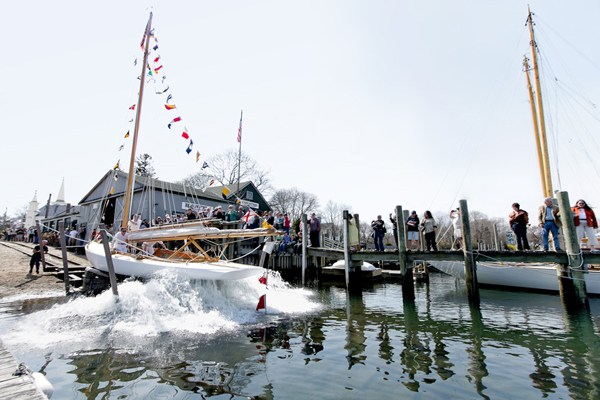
<point>167,304</point>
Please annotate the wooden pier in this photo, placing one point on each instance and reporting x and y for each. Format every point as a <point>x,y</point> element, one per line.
<point>16,387</point>
<point>571,281</point>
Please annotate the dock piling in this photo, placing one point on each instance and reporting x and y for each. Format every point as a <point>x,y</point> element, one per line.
<point>63,248</point>
<point>408,285</point>
<point>470,266</point>
<point>304,244</point>
<point>109,263</point>
<point>571,281</point>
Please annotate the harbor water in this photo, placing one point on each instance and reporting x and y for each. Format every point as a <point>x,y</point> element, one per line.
<point>172,339</point>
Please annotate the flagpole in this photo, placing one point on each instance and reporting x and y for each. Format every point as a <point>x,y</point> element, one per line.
<point>240,151</point>
<point>129,190</point>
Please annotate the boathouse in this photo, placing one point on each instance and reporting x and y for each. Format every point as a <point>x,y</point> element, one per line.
<point>156,198</point>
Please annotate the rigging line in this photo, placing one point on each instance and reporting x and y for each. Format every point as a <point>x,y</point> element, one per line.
<point>582,127</point>
<point>569,92</point>
<point>469,132</point>
<point>538,19</point>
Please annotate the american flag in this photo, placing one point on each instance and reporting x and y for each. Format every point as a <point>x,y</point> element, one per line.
<point>239,137</point>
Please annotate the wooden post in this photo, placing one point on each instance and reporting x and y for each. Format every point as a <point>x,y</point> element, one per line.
<point>496,241</point>
<point>470,266</point>
<point>111,269</point>
<point>571,279</point>
<point>408,284</point>
<point>405,215</point>
<point>346,248</point>
<point>63,248</point>
<point>304,244</point>
<point>41,244</point>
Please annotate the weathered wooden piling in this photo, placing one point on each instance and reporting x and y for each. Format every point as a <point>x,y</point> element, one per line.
<point>109,263</point>
<point>304,244</point>
<point>470,266</point>
<point>496,239</point>
<point>346,248</point>
<point>571,281</point>
<point>63,248</point>
<point>408,284</point>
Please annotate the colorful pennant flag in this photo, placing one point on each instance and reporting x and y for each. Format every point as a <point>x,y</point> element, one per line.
<point>239,136</point>
<point>156,59</point>
<point>185,135</point>
<point>205,165</point>
<point>262,303</point>
<point>132,107</point>
<point>209,184</point>
<point>169,97</point>
<point>174,120</point>
<point>170,107</point>
<point>164,91</point>
<point>121,147</point>
<point>127,135</point>
<point>225,192</point>
<point>197,156</point>
<point>117,166</point>
<point>189,149</point>
<point>155,48</point>
<point>112,190</point>
<point>157,69</point>
<point>135,62</point>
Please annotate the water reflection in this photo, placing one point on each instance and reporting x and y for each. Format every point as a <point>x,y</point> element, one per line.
<point>356,346</point>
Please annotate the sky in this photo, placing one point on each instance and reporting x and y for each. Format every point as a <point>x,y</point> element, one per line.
<point>371,104</point>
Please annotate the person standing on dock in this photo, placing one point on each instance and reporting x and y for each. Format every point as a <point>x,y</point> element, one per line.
<point>549,219</point>
<point>429,228</point>
<point>412,229</point>
<point>36,257</point>
<point>585,221</point>
<point>518,221</point>
<point>378,232</point>
<point>315,230</point>
<point>394,228</point>
<point>457,225</point>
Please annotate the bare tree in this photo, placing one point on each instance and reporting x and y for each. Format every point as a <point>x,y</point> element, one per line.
<point>293,202</point>
<point>332,217</point>
<point>223,168</point>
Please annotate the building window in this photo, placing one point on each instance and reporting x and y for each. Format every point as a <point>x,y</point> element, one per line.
<point>249,195</point>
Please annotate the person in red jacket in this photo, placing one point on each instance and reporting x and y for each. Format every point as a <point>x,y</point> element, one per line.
<point>586,222</point>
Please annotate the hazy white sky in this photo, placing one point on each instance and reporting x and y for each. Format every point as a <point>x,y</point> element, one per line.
<point>367,103</point>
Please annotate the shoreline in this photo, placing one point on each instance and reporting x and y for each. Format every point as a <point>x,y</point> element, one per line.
<point>16,282</point>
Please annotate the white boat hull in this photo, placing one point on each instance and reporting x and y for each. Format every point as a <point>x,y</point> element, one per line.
<point>147,267</point>
<point>523,276</point>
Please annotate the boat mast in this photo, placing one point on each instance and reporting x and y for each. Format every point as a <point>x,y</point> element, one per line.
<point>129,190</point>
<point>536,129</point>
<point>548,192</point>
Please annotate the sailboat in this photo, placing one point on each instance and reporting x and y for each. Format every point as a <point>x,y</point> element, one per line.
<point>526,276</point>
<point>200,265</point>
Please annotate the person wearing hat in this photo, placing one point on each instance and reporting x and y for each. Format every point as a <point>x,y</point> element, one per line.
<point>219,213</point>
<point>412,229</point>
<point>231,214</point>
<point>315,230</point>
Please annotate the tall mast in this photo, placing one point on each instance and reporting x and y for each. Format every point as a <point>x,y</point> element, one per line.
<point>536,129</point>
<point>239,153</point>
<point>129,190</point>
<point>548,192</point>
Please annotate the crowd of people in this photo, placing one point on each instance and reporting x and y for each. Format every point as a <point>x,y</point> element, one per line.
<point>549,220</point>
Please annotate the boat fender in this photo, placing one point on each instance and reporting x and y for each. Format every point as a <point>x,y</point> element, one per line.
<point>43,384</point>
